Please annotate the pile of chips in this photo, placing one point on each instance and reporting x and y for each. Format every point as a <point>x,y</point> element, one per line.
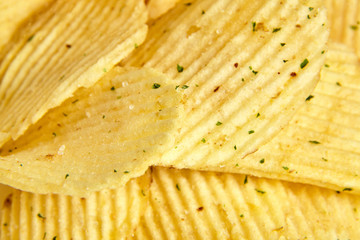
<point>165,119</point>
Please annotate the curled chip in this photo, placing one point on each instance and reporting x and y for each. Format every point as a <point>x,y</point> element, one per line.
<point>99,138</point>
<point>245,67</point>
<point>108,214</point>
<point>70,44</point>
<point>321,145</point>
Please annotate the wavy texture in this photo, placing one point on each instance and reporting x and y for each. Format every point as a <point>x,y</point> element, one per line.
<point>66,47</point>
<point>233,70</point>
<point>108,214</point>
<point>321,144</point>
<point>205,205</point>
<point>98,139</point>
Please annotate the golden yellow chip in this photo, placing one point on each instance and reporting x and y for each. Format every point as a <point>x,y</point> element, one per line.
<point>245,68</point>
<point>69,45</point>
<point>204,205</point>
<point>109,214</point>
<point>159,7</point>
<point>13,14</point>
<point>100,138</point>
<point>321,145</point>
<point>344,20</point>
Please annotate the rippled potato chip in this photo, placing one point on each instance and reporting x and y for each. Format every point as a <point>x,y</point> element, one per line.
<point>100,138</point>
<point>321,145</point>
<point>205,205</point>
<point>14,14</point>
<point>70,44</point>
<point>184,204</point>
<point>244,67</point>
<point>344,20</point>
<point>108,214</point>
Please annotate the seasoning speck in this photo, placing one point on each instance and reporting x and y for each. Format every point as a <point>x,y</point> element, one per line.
<point>179,68</point>
<point>156,85</point>
<point>304,63</point>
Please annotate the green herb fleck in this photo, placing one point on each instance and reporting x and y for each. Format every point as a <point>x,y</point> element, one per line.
<point>242,79</point>
<point>64,114</point>
<point>218,123</point>
<point>44,235</point>
<point>177,187</point>
<point>309,98</point>
<point>202,12</point>
<point>347,189</point>
<point>118,97</point>
<point>179,68</point>
<point>314,142</point>
<point>40,216</point>
<point>236,165</point>
<point>75,101</point>
<point>66,176</point>
<point>54,134</point>
<point>30,38</point>
<point>156,85</point>
<point>126,172</point>
<point>262,161</point>
<point>257,115</point>
<point>276,30</point>
<point>54,238</point>
<point>245,180</point>
<point>188,4</point>
<point>324,159</point>
<point>136,45</point>
<point>323,51</point>
<point>203,140</point>
<point>103,116</point>
<point>253,26</point>
<point>235,148</point>
<point>185,86</point>
<point>311,8</point>
<point>112,88</point>
<point>285,168</point>
<point>308,16</point>
<point>177,87</point>
<point>260,191</point>
<point>285,60</point>
<point>104,70</point>
<point>241,215</point>
<point>304,63</point>
<point>251,131</point>
<point>339,84</point>
<point>327,65</point>
<point>282,44</point>
<point>354,27</point>
<point>142,192</point>
<point>115,171</point>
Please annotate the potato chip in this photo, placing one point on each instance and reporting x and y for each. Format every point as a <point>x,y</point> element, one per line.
<point>205,205</point>
<point>344,21</point>
<point>13,14</point>
<point>321,145</point>
<point>100,138</point>
<point>245,68</point>
<point>109,214</point>
<point>70,45</point>
<point>159,7</point>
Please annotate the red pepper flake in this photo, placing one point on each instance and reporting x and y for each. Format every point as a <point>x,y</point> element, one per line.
<point>68,45</point>
<point>236,65</point>
<point>200,208</point>
<point>216,89</point>
<point>293,74</point>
